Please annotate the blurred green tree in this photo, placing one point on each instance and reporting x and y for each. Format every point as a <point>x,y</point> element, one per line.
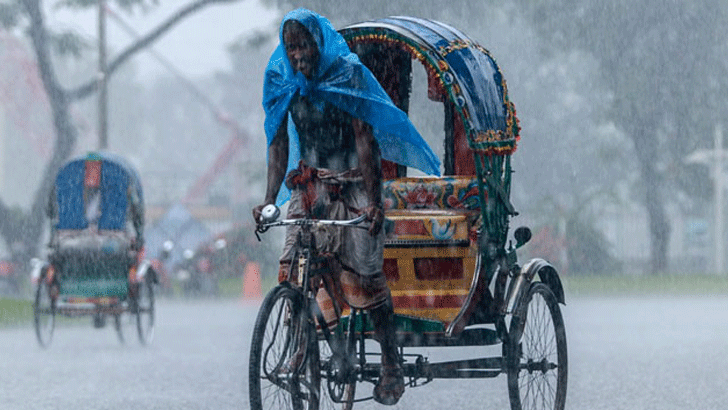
<point>22,231</point>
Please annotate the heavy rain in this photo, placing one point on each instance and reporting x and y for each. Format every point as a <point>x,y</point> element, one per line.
<point>133,150</point>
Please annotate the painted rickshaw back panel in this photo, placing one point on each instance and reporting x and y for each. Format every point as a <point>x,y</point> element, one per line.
<point>95,264</point>
<point>97,200</point>
<point>442,224</point>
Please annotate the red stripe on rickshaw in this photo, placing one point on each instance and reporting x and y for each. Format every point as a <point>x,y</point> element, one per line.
<point>428,301</point>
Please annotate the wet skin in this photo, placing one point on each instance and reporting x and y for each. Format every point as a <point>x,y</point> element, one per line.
<point>301,49</point>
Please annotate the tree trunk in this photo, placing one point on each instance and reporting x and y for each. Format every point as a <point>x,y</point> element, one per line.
<point>646,148</point>
<point>22,231</point>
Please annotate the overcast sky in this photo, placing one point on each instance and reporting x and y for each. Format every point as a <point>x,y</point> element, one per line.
<point>196,46</point>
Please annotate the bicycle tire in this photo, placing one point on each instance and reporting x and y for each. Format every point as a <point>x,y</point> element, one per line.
<point>280,329</point>
<point>536,357</point>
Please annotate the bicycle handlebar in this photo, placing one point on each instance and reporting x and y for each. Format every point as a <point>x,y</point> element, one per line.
<point>270,215</point>
<point>317,222</point>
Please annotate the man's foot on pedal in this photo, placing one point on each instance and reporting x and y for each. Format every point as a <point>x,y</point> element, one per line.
<point>390,386</point>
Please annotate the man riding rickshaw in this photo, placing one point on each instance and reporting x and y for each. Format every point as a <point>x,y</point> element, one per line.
<point>444,272</point>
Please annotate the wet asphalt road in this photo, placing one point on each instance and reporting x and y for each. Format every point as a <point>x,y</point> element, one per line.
<point>624,353</point>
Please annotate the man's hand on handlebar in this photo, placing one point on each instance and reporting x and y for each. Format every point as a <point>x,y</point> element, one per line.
<point>258,214</point>
<point>267,213</point>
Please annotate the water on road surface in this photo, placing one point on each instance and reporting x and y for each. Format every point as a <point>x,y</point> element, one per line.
<point>624,353</point>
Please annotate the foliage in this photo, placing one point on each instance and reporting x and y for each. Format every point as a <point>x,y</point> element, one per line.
<point>10,14</point>
<point>663,60</point>
<point>27,16</point>
<point>588,250</point>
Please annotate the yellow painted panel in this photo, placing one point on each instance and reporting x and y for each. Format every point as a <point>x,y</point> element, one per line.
<point>443,315</point>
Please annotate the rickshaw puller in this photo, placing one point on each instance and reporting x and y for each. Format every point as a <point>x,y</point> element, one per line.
<point>341,117</point>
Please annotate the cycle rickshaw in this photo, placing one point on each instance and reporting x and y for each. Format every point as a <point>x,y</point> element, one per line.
<point>452,270</point>
<point>95,265</point>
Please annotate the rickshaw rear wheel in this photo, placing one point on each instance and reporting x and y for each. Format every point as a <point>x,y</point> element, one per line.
<point>536,359</point>
<point>276,381</point>
<point>144,311</point>
<point>44,313</point>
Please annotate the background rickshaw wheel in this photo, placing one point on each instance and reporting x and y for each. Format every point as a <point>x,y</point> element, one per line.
<point>119,327</point>
<point>279,330</point>
<point>44,313</point>
<point>536,360</point>
<point>144,311</point>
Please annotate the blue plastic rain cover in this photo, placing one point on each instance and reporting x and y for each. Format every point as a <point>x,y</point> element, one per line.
<point>69,194</point>
<point>342,80</point>
<point>114,188</point>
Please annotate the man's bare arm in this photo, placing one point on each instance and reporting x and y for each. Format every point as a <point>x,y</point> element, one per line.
<point>277,163</point>
<point>371,169</point>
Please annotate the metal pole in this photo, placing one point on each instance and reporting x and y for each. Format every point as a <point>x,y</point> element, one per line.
<point>718,181</point>
<point>3,151</point>
<point>103,86</point>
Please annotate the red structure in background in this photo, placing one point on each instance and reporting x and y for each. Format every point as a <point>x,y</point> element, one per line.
<point>238,137</point>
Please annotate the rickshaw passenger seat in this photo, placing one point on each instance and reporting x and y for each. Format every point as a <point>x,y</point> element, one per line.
<point>429,208</point>
<point>457,193</point>
<point>430,254</point>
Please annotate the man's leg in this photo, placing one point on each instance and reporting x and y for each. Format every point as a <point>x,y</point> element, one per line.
<point>390,387</point>
<point>371,293</point>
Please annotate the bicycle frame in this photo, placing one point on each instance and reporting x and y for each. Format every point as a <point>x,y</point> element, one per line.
<point>341,366</point>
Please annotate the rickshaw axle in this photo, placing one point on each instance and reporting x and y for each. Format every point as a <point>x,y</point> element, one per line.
<point>483,368</point>
<point>542,366</point>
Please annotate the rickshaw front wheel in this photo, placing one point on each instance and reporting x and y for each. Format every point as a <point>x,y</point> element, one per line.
<point>535,354</point>
<point>284,369</point>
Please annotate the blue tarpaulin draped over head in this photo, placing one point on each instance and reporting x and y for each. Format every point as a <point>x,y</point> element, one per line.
<point>343,81</point>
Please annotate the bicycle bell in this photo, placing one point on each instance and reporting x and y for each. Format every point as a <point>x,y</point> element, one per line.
<point>270,213</point>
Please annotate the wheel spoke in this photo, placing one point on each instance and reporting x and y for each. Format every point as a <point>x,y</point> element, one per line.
<point>537,377</point>
<point>278,334</point>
